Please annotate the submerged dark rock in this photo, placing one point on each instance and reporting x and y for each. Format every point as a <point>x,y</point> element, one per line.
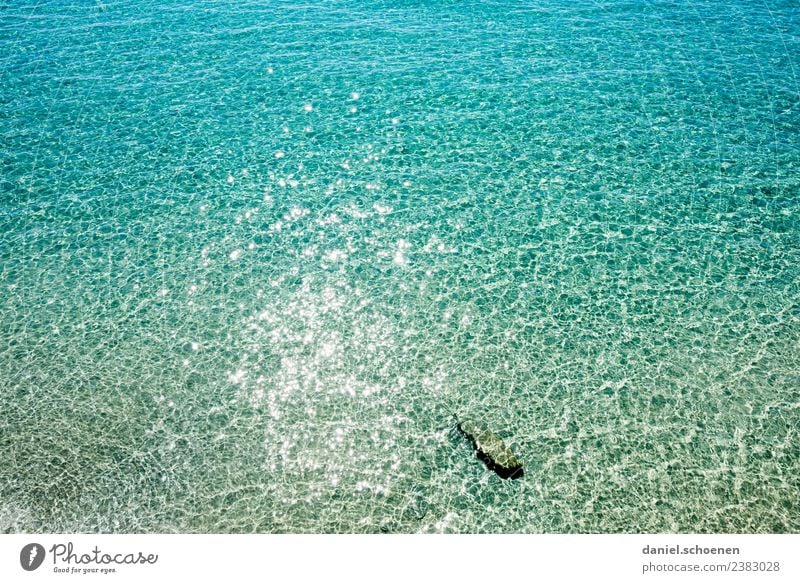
<point>492,450</point>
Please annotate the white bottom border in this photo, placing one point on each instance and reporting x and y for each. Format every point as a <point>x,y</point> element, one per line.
<point>356,558</point>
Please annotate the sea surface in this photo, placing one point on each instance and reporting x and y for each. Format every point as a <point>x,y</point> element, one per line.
<point>256,255</point>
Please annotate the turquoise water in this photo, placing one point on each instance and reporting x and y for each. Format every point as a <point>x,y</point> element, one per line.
<point>254,255</point>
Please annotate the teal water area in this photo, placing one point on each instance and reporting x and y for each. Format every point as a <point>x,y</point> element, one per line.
<point>254,255</point>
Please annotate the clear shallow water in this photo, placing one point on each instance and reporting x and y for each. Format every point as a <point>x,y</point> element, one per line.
<point>253,257</point>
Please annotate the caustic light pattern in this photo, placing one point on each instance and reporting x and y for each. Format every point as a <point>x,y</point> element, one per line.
<point>255,255</point>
